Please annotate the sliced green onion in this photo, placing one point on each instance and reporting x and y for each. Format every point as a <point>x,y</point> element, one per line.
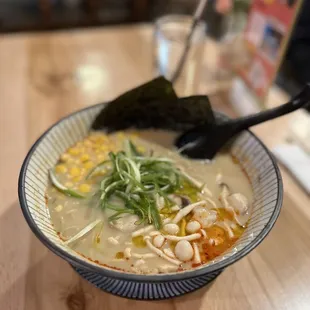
<point>130,149</point>
<point>83,232</point>
<point>63,189</point>
<point>96,168</point>
<point>136,179</point>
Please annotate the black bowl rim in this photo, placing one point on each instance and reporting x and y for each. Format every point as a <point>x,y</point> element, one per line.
<point>193,273</point>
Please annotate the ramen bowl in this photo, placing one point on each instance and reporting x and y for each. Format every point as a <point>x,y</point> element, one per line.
<point>254,158</point>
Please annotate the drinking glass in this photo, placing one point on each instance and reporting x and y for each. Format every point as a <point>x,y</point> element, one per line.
<point>170,36</point>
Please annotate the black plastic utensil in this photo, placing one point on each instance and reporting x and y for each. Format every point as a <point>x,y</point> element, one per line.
<point>204,141</point>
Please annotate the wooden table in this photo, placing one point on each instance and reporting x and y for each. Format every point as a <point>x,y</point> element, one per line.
<point>46,76</point>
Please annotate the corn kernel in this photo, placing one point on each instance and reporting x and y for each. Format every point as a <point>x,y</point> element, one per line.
<point>61,169</point>
<point>65,157</point>
<point>92,138</point>
<point>88,165</point>
<point>103,148</point>
<point>77,178</point>
<point>58,208</point>
<point>120,135</point>
<point>88,143</point>
<point>84,157</point>
<point>84,188</point>
<point>75,171</point>
<point>70,160</point>
<point>141,149</point>
<point>74,151</point>
<point>101,157</point>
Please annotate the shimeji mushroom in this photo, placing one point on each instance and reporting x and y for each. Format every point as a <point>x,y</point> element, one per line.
<point>181,238</point>
<point>147,229</point>
<point>160,253</point>
<point>197,259</point>
<point>236,203</point>
<point>176,199</point>
<point>184,250</point>
<point>183,212</point>
<point>159,241</point>
<point>127,252</point>
<point>171,229</point>
<point>192,227</point>
<point>143,256</point>
<point>175,208</point>
<point>154,233</point>
<point>167,268</point>
<point>239,202</point>
<point>169,252</point>
<point>204,234</point>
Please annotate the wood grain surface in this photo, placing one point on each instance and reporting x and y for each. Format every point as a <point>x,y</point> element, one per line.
<point>46,76</point>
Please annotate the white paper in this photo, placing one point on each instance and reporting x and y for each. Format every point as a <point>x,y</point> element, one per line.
<point>297,161</point>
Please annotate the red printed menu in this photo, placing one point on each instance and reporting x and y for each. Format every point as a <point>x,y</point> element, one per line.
<point>266,35</point>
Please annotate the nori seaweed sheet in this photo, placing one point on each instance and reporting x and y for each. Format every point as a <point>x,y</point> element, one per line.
<point>154,105</point>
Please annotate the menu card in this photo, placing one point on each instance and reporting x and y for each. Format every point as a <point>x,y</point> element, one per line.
<point>266,35</point>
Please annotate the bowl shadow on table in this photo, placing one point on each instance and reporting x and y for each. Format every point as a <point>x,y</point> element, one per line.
<point>34,278</point>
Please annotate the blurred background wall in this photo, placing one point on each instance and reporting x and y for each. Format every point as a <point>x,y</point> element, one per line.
<point>42,15</point>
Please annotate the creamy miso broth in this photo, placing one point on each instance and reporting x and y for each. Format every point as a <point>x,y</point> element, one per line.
<point>130,203</point>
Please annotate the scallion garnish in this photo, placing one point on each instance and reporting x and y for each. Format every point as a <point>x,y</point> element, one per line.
<point>136,180</point>
<point>63,189</point>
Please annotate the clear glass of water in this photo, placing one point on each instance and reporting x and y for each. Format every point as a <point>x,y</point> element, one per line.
<point>169,41</point>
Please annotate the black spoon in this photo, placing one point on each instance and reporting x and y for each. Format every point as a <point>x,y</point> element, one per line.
<point>204,141</point>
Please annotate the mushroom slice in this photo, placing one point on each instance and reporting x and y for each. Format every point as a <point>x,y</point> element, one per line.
<point>167,268</point>
<point>160,253</point>
<point>147,229</point>
<point>204,234</point>
<point>226,225</point>
<point>197,259</point>
<point>187,238</point>
<point>226,198</point>
<point>190,178</point>
<point>224,195</point>
<point>154,233</point>
<point>127,252</point>
<point>239,202</point>
<point>219,179</point>
<point>169,252</point>
<point>205,190</point>
<point>211,202</point>
<point>183,212</point>
<point>171,229</point>
<point>143,256</point>
<point>175,208</point>
<point>176,199</point>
